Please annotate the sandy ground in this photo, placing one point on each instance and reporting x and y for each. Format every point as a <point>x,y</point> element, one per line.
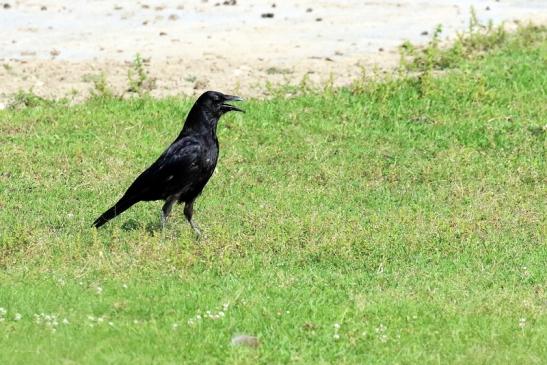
<point>56,47</point>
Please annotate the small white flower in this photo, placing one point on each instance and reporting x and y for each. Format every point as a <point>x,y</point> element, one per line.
<point>225,306</point>
<point>221,314</point>
<point>336,336</point>
<point>198,317</point>
<point>100,319</point>
<point>17,317</point>
<point>111,324</point>
<point>175,326</point>
<point>383,338</point>
<point>98,290</point>
<point>337,326</point>
<point>124,286</point>
<point>522,322</point>
<point>381,328</point>
<point>65,321</point>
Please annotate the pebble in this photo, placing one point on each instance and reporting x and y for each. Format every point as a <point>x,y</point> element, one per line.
<point>245,340</point>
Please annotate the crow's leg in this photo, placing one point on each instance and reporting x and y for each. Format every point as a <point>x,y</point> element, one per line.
<point>188,212</point>
<point>166,209</point>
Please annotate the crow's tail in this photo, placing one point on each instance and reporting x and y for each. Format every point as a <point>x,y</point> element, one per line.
<point>118,208</point>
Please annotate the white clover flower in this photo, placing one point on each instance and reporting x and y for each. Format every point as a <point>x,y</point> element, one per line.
<point>65,321</point>
<point>336,336</point>
<point>221,314</point>
<point>337,326</point>
<point>111,324</point>
<point>99,290</point>
<point>225,306</point>
<point>124,286</point>
<point>17,317</point>
<point>381,328</point>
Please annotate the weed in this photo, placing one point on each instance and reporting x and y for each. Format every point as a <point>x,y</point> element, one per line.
<point>138,79</point>
<point>26,99</point>
<point>101,88</point>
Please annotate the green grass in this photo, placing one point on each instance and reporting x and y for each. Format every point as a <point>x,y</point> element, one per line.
<point>409,211</point>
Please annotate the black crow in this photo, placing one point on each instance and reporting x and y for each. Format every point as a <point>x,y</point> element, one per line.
<point>183,170</point>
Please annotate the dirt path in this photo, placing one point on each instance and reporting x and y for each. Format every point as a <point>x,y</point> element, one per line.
<point>57,47</point>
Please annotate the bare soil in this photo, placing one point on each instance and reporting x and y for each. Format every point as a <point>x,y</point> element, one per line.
<point>56,48</point>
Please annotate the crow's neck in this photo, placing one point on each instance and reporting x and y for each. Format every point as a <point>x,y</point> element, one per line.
<point>199,122</point>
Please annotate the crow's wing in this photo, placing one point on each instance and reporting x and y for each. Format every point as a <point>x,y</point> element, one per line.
<point>172,172</point>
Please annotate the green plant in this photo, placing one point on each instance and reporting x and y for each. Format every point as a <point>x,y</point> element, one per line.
<point>138,79</point>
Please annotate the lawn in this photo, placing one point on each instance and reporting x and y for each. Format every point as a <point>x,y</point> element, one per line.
<point>396,221</point>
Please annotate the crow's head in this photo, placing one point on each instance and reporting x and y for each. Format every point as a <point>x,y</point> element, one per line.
<point>217,103</point>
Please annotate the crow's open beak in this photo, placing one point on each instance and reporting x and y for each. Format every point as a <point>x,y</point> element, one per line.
<point>228,107</point>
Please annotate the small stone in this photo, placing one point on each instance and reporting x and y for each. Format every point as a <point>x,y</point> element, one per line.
<point>245,340</point>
